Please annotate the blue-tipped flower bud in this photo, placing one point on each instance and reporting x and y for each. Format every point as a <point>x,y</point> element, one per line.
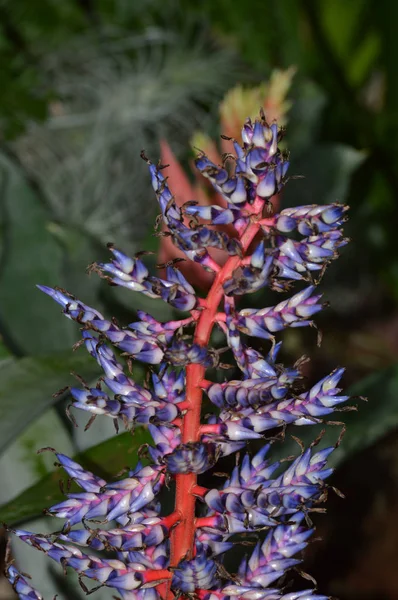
<point>21,585</point>
<point>199,573</point>
<point>191,458</point>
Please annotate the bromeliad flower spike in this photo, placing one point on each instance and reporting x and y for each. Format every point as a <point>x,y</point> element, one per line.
<point>182,554</point>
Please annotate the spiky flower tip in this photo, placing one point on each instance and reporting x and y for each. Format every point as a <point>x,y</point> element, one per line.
<point>158,556</point>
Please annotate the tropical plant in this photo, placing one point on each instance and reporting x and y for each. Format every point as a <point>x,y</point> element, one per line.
<point>181,553</point>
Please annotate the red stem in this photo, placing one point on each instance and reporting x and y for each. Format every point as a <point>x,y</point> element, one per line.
<point>171,520</point>
<point>205,522</point>
<point>209,429</point>
<point>182,536</point>
<point>153,575</point>
<point>199,491</point>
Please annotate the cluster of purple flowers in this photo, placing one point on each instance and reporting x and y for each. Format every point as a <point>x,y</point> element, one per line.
<point>260,497</point>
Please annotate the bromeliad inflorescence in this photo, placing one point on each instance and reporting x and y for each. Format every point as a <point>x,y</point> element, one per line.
<point>181,554</point>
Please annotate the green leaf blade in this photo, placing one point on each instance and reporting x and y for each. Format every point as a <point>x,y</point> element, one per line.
<point>28,385</point>
<point>29,255</point>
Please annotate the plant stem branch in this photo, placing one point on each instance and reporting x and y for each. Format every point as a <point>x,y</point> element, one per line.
<point>182,536</point>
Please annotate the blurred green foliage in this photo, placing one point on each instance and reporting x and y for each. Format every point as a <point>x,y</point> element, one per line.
<point>86,84</point>
<point>28,385</point>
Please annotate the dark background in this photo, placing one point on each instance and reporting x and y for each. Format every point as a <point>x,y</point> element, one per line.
<point>84,86</point>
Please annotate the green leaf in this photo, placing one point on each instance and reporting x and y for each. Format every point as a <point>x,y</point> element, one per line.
<point>305,116</point>
<point>27,385</point>
<point>341,20</point>
<point>30,255</point>
<point>363,60</point>
<point>105,460</point>
<point>372,421</point>
<point>4,351</point>
<point>134,301</point>
<point>375,418</point>
<point>21,466</point>
<point>386,15</point>
<point>81,250</point>
<point>327,171</point>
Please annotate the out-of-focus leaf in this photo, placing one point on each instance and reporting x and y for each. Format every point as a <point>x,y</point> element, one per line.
<point>105,459</point>
<point>27,386</point>
<point>20,467</point>
<point>81,250</point>
<point>341,20</point>
<point>376,417</point>
<point>327,171</point>
<point>373,420</point>
<point>136,301</point>
<point>305,116</point>
<point>69,587</point>
<point>30,255</point>
<point>285,17</point>
<point>363,60</point>
<point>386,15</point>
<point>4,352</point>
